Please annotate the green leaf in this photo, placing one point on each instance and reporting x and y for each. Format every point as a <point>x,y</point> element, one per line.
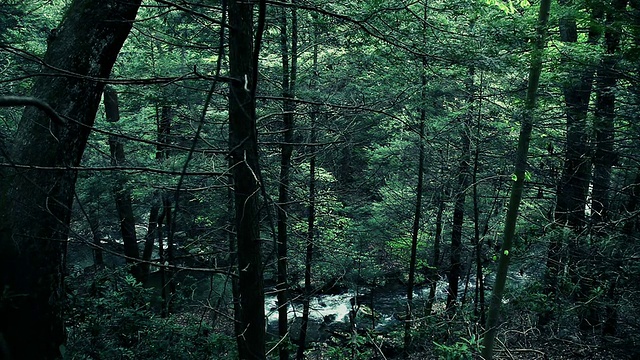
<point>514,177</point>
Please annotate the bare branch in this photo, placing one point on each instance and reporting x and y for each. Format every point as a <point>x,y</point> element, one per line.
<point>9,101</point>
<point>114,168</point>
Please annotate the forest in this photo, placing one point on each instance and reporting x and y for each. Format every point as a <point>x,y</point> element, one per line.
<point>314,179</point>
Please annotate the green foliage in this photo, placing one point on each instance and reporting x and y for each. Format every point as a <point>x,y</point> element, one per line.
<point>112,317</point>
<point>465,349</point>
<point>354,350</point>
<point>508,6</point>
<point>527,299</point>
<point>369,88</point>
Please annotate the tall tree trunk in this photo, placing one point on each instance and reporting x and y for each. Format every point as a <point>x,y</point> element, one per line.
<point>459,200</point>
<point>479,301</point>
<point>121,192</point>
<point>36,204</point>
<point>574,185</point>
<point>244,156</point>
<point>479,293</point>
<point>604,157</point>
<point>125,211</point>
<point>311,211</point>
<point>311,218</point>
<point>603,160</point>
<point>288,93</point>
<point>518,185</point>
<point>163,126</point>
<point>415,230</point>
<point>572,191</point>
<point>156,218</point>
<point>162,154</point>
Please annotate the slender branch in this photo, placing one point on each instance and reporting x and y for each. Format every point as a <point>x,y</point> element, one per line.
<point>194,13</point>
<point>194,75</point>
<point>8,101</point>
<point>114,168</point>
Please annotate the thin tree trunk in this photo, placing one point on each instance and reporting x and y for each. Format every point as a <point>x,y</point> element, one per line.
<point>435,276</point>
<point>96,232</point>
<point>127,222</point>
<point>288,93</point>
<point>121,192</point>
<point>164,133</point>
<point>458,211</point>
<point>478,303</point>
<point>154,230</point>
<point>161,258</point>
<point>311,216</point>
<point>150,239</point>
<point>308,290</point>
<point>415,230</point>
<point>36,204</point>
<point>518,185</point>
<point>168,285</point>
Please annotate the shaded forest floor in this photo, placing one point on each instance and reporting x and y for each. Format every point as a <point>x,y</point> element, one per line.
<point>553,349</point>
<point>547,349</point>
<point>512,343</point>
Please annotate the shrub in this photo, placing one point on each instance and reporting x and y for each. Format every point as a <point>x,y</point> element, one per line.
<point>111,317</point>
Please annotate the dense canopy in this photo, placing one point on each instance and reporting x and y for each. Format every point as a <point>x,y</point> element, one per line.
<point>319,179</point>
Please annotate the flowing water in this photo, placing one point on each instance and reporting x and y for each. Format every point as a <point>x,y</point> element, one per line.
<point>382,310</point>
<point>331,315</point>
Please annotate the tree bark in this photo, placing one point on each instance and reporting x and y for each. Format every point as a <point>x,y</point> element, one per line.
<point>415,230</point>
<point>96,232</point>
<point>574,185</point>
<point>168,285</point>
<point>434,275</point>
<point>604,157</point>
<point>518,185</point>
<point>311,210</point>
<point>479,301</point>
<point>311,219</point>
<point>121,193</point>
<point>288,93</point>
<point>571,195</point>
<point>36,207</point>
<point>603,160</point>
<point>164,133</point>
<point>244,158</point>
<point>455,270</point>
<point>150,240</point>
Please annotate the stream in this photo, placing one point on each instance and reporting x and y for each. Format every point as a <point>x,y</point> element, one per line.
<point>329,315</point>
